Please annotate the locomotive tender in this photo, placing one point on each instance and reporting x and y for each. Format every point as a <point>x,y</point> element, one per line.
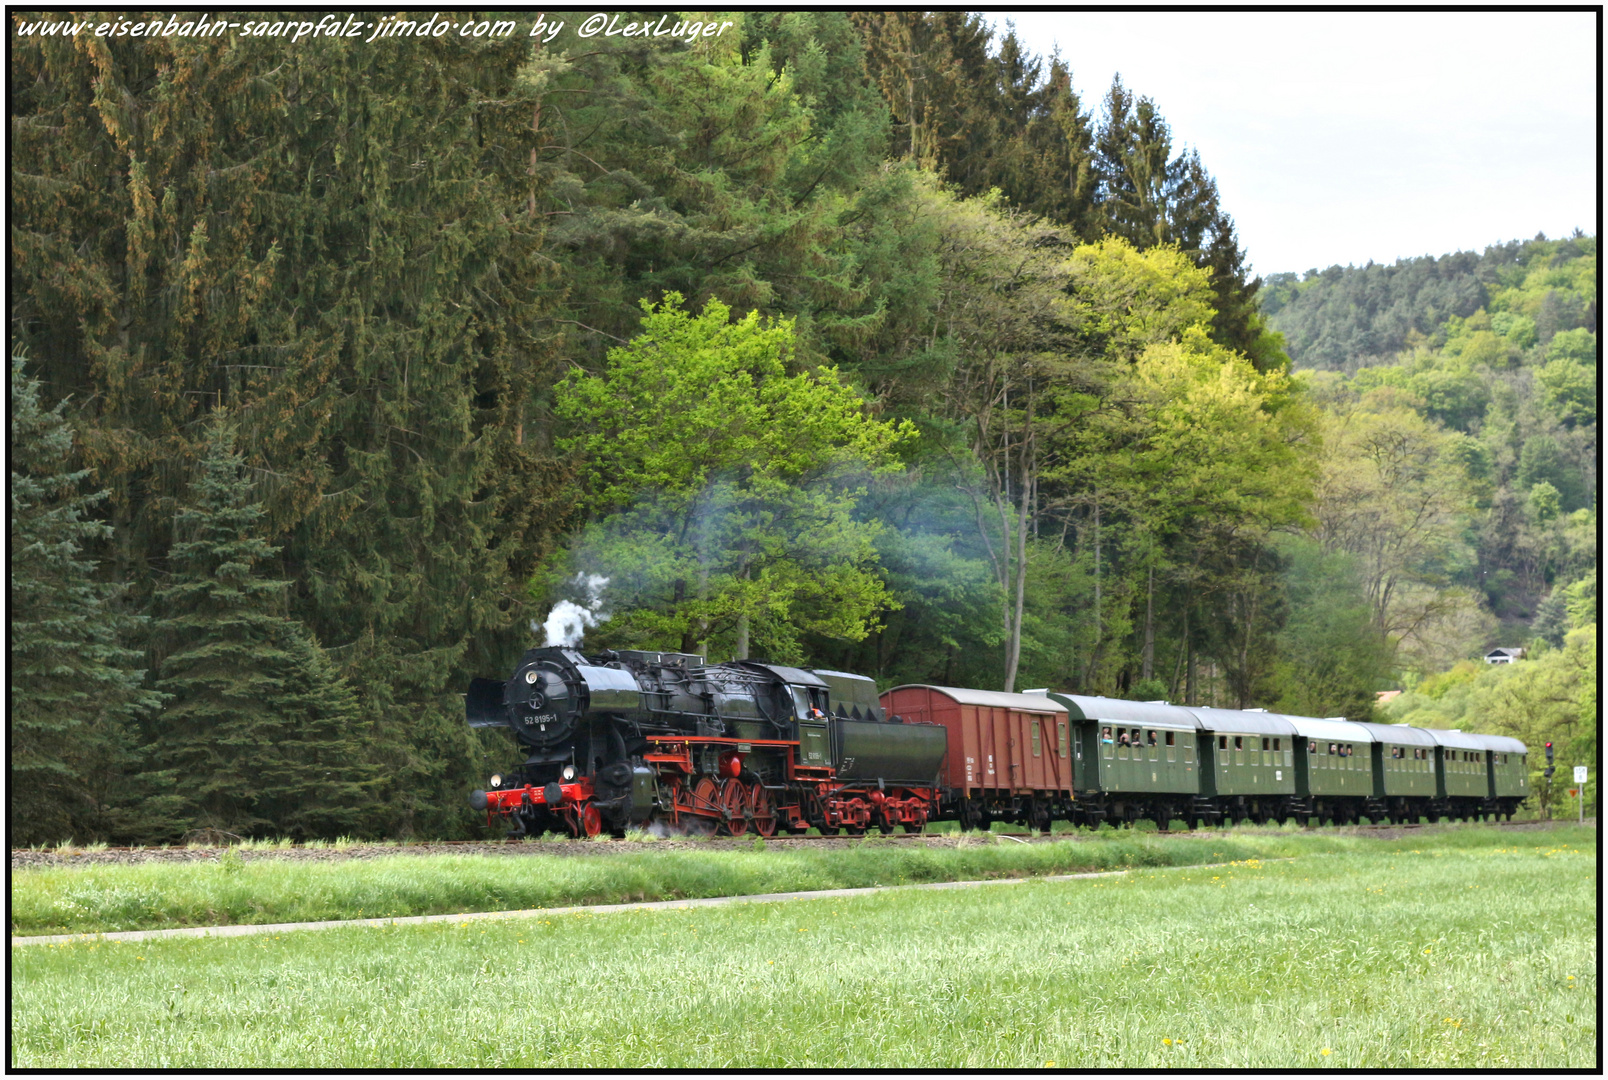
<point>633,739</point>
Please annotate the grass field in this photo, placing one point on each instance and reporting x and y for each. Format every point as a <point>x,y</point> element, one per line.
<point>232,890</point>
<point>1450,951</point>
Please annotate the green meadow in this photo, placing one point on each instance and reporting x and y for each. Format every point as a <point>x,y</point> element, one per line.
<point>228,890</point>
<point>1450,950</point>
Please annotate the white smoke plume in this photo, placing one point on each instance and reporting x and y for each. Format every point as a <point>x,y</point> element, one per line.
<point>567,623</point>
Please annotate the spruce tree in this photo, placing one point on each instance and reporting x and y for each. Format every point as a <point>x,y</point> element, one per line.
<point>260,726</point>
<point>75,691</point>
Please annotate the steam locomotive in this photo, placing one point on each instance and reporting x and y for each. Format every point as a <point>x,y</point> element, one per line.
<point>632,739</point>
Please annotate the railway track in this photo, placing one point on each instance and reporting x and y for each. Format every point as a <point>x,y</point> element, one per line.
<point>23,858</point>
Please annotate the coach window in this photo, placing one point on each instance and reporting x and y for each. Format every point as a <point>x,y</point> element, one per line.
<point>1060,737</point>
<point>1172,751</point>
<point>1038,750</point>
<point>1222,742</point>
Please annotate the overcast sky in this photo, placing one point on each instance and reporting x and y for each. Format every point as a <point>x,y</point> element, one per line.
<point>1340,137</point>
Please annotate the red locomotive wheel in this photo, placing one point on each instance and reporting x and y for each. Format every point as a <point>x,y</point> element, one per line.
<point>734,800</point>
<point>706,795</point>
<point>591,821</point>
<point>761,810</point>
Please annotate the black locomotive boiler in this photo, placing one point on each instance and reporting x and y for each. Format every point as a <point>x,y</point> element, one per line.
<point>633,739</point>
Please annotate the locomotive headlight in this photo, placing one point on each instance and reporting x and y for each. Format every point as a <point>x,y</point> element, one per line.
<point>569,772</point>
<point>531,677</point>
<point>496,780</point>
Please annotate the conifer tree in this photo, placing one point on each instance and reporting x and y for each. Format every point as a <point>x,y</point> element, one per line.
<point>74,690</point>
<point>260,728</point>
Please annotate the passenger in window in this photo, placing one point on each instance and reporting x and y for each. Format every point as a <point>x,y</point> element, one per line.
<point>1122,739</point>
<point>1331,749</point>
<point>1105,735</point>
<point>1152,737</point>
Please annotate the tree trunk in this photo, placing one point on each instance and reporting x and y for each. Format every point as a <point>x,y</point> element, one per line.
<point>1148,661</point>
<point>1189,663</point>
<point>1014,647</point>
<point>1099,621</point>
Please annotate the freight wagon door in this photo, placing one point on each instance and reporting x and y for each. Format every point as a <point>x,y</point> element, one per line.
<point>1016,734</point>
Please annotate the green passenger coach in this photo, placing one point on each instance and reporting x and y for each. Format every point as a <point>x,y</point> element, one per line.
<point>1334,769</point>
<point>1404,770</point>
<point>1509,774</point>
<point>1133,759</point>
<point>1462,774</point>
<point>1247,763</point>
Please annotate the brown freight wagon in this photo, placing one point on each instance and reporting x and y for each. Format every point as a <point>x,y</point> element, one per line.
<point>1009,754</point>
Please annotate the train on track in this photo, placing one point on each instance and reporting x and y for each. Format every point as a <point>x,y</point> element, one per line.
<point>632,739</point>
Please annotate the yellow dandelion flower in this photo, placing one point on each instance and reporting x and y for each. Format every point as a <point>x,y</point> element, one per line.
<point>1166,1042</point>
<point>1326,1051</point>
<point>1049,1064</point>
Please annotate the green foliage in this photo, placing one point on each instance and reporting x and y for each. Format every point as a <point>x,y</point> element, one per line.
<point>1333,657</point>
<point>1501,348</point>
<point>1030,138</point>
<point>724,487</point>
<point>1395,495</point>
<point>1542,461</point>
<point>75,694</point>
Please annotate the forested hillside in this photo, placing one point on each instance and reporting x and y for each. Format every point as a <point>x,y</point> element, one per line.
<point>1489,364</point>
<point>851,341</point>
